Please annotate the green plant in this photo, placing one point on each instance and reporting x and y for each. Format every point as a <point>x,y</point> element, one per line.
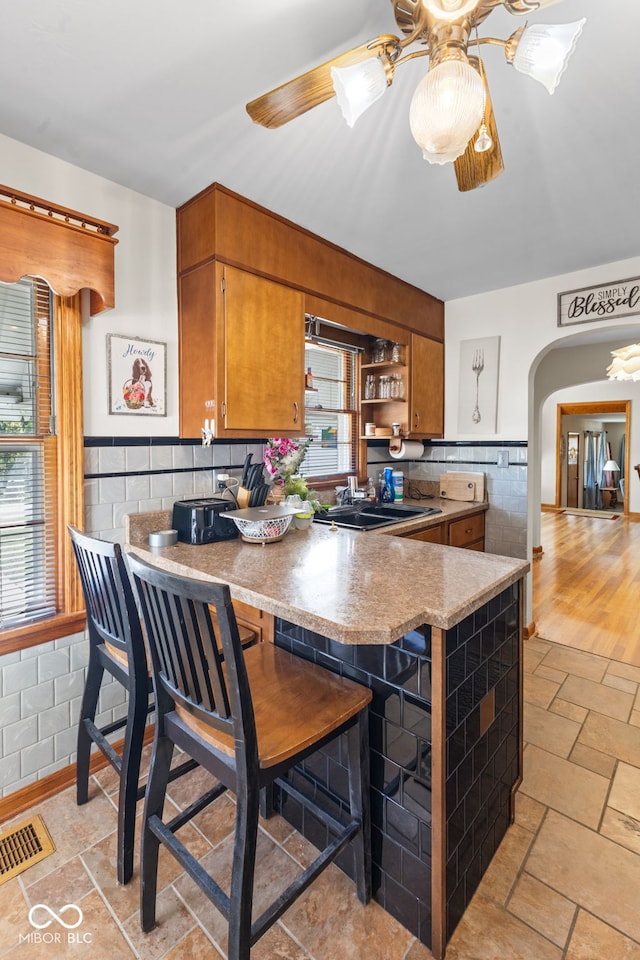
<point>297,485</point>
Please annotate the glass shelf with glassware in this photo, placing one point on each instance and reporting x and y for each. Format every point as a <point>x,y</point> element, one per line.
<point>384,388</point>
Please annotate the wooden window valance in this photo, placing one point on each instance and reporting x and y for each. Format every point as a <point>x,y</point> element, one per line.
<point>66,248</point>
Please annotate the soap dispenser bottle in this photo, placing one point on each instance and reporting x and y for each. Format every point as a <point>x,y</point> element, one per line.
<point>388,492</point>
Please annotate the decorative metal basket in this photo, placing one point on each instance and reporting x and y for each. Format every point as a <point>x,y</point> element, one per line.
<point>266,530</point>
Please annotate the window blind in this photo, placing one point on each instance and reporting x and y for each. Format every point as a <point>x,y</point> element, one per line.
<point>330,412</point>
<point>28,543</point>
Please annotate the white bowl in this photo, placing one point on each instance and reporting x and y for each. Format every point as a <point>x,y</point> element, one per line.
<point>262,531</point>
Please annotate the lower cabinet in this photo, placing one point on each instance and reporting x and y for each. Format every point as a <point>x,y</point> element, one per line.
<point>257,620</point>
<point>467,532</point>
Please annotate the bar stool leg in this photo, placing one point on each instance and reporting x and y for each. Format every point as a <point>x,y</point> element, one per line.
<point>95,672</point>
<point>244,859</point>
<point>128,796</point>
<point>150,844</point>
<point>359,800</point>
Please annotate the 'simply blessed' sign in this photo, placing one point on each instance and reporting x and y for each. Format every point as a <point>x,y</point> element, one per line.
<point>603,302</point>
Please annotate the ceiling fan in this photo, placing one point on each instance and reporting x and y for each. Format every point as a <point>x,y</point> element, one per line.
<point>451,115</point>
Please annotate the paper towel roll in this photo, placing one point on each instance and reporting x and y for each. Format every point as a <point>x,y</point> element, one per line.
<point>408,450</point>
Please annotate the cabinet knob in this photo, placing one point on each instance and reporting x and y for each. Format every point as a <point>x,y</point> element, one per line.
<point>295,412</point>
<point>417,419</point>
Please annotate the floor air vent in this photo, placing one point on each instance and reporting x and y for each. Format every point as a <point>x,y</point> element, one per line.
<point>25,844</point>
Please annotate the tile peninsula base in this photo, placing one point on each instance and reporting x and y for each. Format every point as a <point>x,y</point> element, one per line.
<point>445,736</point>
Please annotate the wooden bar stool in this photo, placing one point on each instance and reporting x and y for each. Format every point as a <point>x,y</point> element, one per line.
<point>247,719</point>
<point>116,646</point>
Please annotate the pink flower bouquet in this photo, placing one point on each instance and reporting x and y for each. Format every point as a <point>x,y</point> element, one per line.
<point>283,457</point>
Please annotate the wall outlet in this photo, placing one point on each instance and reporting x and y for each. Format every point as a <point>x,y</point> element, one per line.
<point>503,458</point>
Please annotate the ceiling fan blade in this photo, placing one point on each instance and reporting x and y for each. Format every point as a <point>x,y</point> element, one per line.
<point>474,169</point>
<point>287,102</point>
<point>523,7</point>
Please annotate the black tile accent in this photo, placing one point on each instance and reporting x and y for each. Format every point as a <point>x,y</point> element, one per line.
<point>480,769</point>
<point>163,441</point>
<point>400,744</point>
<point>481,654</point>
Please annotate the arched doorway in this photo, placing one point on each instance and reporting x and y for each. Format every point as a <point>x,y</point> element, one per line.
<point>580,359</point>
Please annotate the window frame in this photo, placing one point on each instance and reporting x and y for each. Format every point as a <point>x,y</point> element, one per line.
<point>67,391</point>
<point>73,253</point>
<point>327,481</point>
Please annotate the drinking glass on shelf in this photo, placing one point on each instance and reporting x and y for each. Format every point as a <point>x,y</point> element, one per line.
<point>379,351</point>
<point>370,387</point>
<point>383,388</point>
<point>396,353</point>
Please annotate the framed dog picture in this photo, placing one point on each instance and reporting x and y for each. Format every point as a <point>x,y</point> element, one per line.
<point>137,376</point>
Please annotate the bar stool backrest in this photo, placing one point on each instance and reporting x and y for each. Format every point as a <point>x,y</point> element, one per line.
<point>205,677</point>
<point>112,615</point>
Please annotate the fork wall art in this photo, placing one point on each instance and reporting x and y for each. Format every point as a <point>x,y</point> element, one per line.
<point>478,385</point>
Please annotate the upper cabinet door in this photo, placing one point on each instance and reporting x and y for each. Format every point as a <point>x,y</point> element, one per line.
<point>263,355</point>
<point>426,413</point>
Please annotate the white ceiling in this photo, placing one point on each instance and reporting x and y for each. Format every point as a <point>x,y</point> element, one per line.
<point>151,94</point>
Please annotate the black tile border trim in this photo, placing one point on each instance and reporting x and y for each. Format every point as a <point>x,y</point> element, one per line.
<point>161,441</point>
<point>194,441</point>
<point>457,443</point>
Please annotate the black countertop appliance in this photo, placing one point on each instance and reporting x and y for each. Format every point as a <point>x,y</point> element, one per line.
<point>203,520</point>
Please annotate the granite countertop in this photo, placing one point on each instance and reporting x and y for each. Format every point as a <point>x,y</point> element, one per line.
<point>351,586</point>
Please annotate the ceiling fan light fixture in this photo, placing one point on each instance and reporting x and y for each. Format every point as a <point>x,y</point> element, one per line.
<point>359,86</point>
<point>447,109</point>
<point>544,50</point>
<point>449,9</point>
<point>625,364</point>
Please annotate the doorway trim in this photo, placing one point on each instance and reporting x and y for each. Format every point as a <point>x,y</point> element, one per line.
<point>590,409</point>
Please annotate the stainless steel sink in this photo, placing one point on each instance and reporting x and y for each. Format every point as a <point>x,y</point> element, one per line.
<point>369,516</point>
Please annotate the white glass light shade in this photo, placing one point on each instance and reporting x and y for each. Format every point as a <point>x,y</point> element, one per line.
<point>610,466</point>
<point>358,86</point>
<point>449,9</point>
<point>544,51</point>
<point>446,110</point>
<point>625,364</point>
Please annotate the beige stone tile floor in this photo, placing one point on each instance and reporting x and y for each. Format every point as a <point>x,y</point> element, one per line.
<point>564,884</point>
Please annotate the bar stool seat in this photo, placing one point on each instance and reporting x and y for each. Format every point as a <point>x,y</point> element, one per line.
<point>247,716</point>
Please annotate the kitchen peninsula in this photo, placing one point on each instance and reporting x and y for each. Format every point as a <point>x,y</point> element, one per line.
<point>435,632</point>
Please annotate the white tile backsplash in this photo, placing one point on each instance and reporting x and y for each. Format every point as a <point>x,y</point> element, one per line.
<point>112,460</point>
<point>53,721</point>
<point>36,757</point>
<point>17,736</point>
<point>53,664</point>
<point>137,458</point>
<point>19,676</point>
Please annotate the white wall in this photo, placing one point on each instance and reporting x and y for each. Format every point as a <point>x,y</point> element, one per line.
<point>525,318</point>
<point>145,277</point>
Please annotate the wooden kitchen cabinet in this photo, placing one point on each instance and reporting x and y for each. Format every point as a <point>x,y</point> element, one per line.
<point>257,620</point>
<point>467,532</point>
<point>426,387</point>
<point>435,534</point>
<point>241,349</point>
<point>241,354</point>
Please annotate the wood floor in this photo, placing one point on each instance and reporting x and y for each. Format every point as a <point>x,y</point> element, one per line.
<point>586,585</point>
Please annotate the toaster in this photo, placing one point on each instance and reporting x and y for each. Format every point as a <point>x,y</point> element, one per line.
<point>203,520</point>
